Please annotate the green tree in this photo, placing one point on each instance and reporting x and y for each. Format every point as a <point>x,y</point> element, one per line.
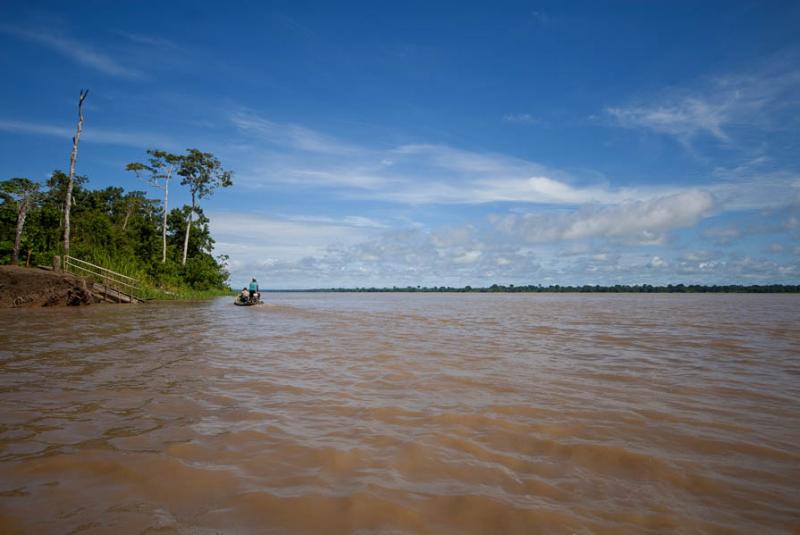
<point>23,193</point>
<point>203,173</point>
<point>56,195</point>
<point>119,230</point>
<point>158,172</point>
<point>200,240</point>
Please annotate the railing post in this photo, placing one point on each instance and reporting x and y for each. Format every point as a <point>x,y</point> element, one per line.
<point>105,278</point>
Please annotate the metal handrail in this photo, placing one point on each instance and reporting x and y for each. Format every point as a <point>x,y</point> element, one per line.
<point>105,277</point>
<point>101,268</point>
<point>72,262</point>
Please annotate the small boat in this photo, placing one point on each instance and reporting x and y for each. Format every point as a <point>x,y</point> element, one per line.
<point>247,303</point>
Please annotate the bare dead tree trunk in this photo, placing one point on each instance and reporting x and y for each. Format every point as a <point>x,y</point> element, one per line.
<point>186,239</point>
<point>22,212</point>
<point>127,216</point>
<point>164,222</point>
<point>73,157</point>
<point>128,213</point>
<point>188,227</point>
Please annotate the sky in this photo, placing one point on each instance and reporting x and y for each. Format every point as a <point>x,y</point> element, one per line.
<point>436,143</point>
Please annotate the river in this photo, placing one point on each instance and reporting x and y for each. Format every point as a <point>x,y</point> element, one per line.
<point>404,413</point>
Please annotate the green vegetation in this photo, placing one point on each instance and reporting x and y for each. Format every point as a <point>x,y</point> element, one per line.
<point>170,252</point>
<point>618,288</point>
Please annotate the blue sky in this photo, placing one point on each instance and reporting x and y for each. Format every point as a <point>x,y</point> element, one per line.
<point>437,143</point>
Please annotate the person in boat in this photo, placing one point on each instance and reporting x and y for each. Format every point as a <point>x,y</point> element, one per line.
<point>254,294</point>
<point>245,296</point>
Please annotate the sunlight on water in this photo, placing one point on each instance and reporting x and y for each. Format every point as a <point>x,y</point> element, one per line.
<point>404,413</point>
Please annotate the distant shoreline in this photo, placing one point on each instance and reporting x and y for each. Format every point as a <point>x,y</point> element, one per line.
<point>637,288</point>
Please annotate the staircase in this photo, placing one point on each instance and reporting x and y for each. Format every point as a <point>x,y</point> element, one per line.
<point>106,285</point>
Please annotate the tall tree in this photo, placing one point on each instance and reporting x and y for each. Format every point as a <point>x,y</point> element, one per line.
<point>23,192</point>
<point>203,173</point>
<point>132,201</point>
<point>73,157</point>
<point>158,172</point>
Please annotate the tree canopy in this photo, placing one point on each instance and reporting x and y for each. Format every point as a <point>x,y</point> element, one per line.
<point>126,231</point>
<point>203,174</point>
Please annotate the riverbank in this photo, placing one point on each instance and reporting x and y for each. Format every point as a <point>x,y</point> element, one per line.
<point>33,287</point>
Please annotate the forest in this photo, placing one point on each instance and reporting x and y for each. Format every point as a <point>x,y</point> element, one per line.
<point>168,250</point>
<point>557,288</point>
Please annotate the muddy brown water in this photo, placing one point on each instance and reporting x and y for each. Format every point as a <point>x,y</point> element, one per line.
<point>404,413</point>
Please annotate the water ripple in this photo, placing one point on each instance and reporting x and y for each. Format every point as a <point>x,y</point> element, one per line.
<point>393,413</point>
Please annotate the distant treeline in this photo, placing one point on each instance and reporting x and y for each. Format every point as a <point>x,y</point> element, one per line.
<point>556,288</point>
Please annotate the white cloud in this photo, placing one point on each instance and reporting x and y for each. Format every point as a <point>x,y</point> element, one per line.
<point>722,235</point>
<point>33,128</point>
<point>346,221</point>
<point>755,185</point>
<point>469,257</point>
<point>411,173</point>
<point>683,118</point>
<point>352,177</point>
<point>92,134</point>
<point>320,233</point>
<point>362,257</point>
<point>303,253</point>
<point>657,262</point>
<point>148,40</point>
<point>641,222</point>
<point>757,269</point>
<point>520,118</point>
<point>75,50</point>
<point>571,231</point>
<point>290,135</point>
<point>719,107</point>
<point>275,155</point>
<point>257,242</point>
<point>697,256</point>
<point>546,190</point>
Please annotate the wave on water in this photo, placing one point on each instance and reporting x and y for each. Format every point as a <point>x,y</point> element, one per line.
<point>344,413</point>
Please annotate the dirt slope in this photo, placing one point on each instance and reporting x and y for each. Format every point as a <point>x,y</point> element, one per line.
<point>31,287</point>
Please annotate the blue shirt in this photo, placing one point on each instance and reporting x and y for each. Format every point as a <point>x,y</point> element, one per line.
<point>254,286</point>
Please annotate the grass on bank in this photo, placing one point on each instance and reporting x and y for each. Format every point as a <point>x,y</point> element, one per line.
<point>165,282</point>
<point>182,294</point>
